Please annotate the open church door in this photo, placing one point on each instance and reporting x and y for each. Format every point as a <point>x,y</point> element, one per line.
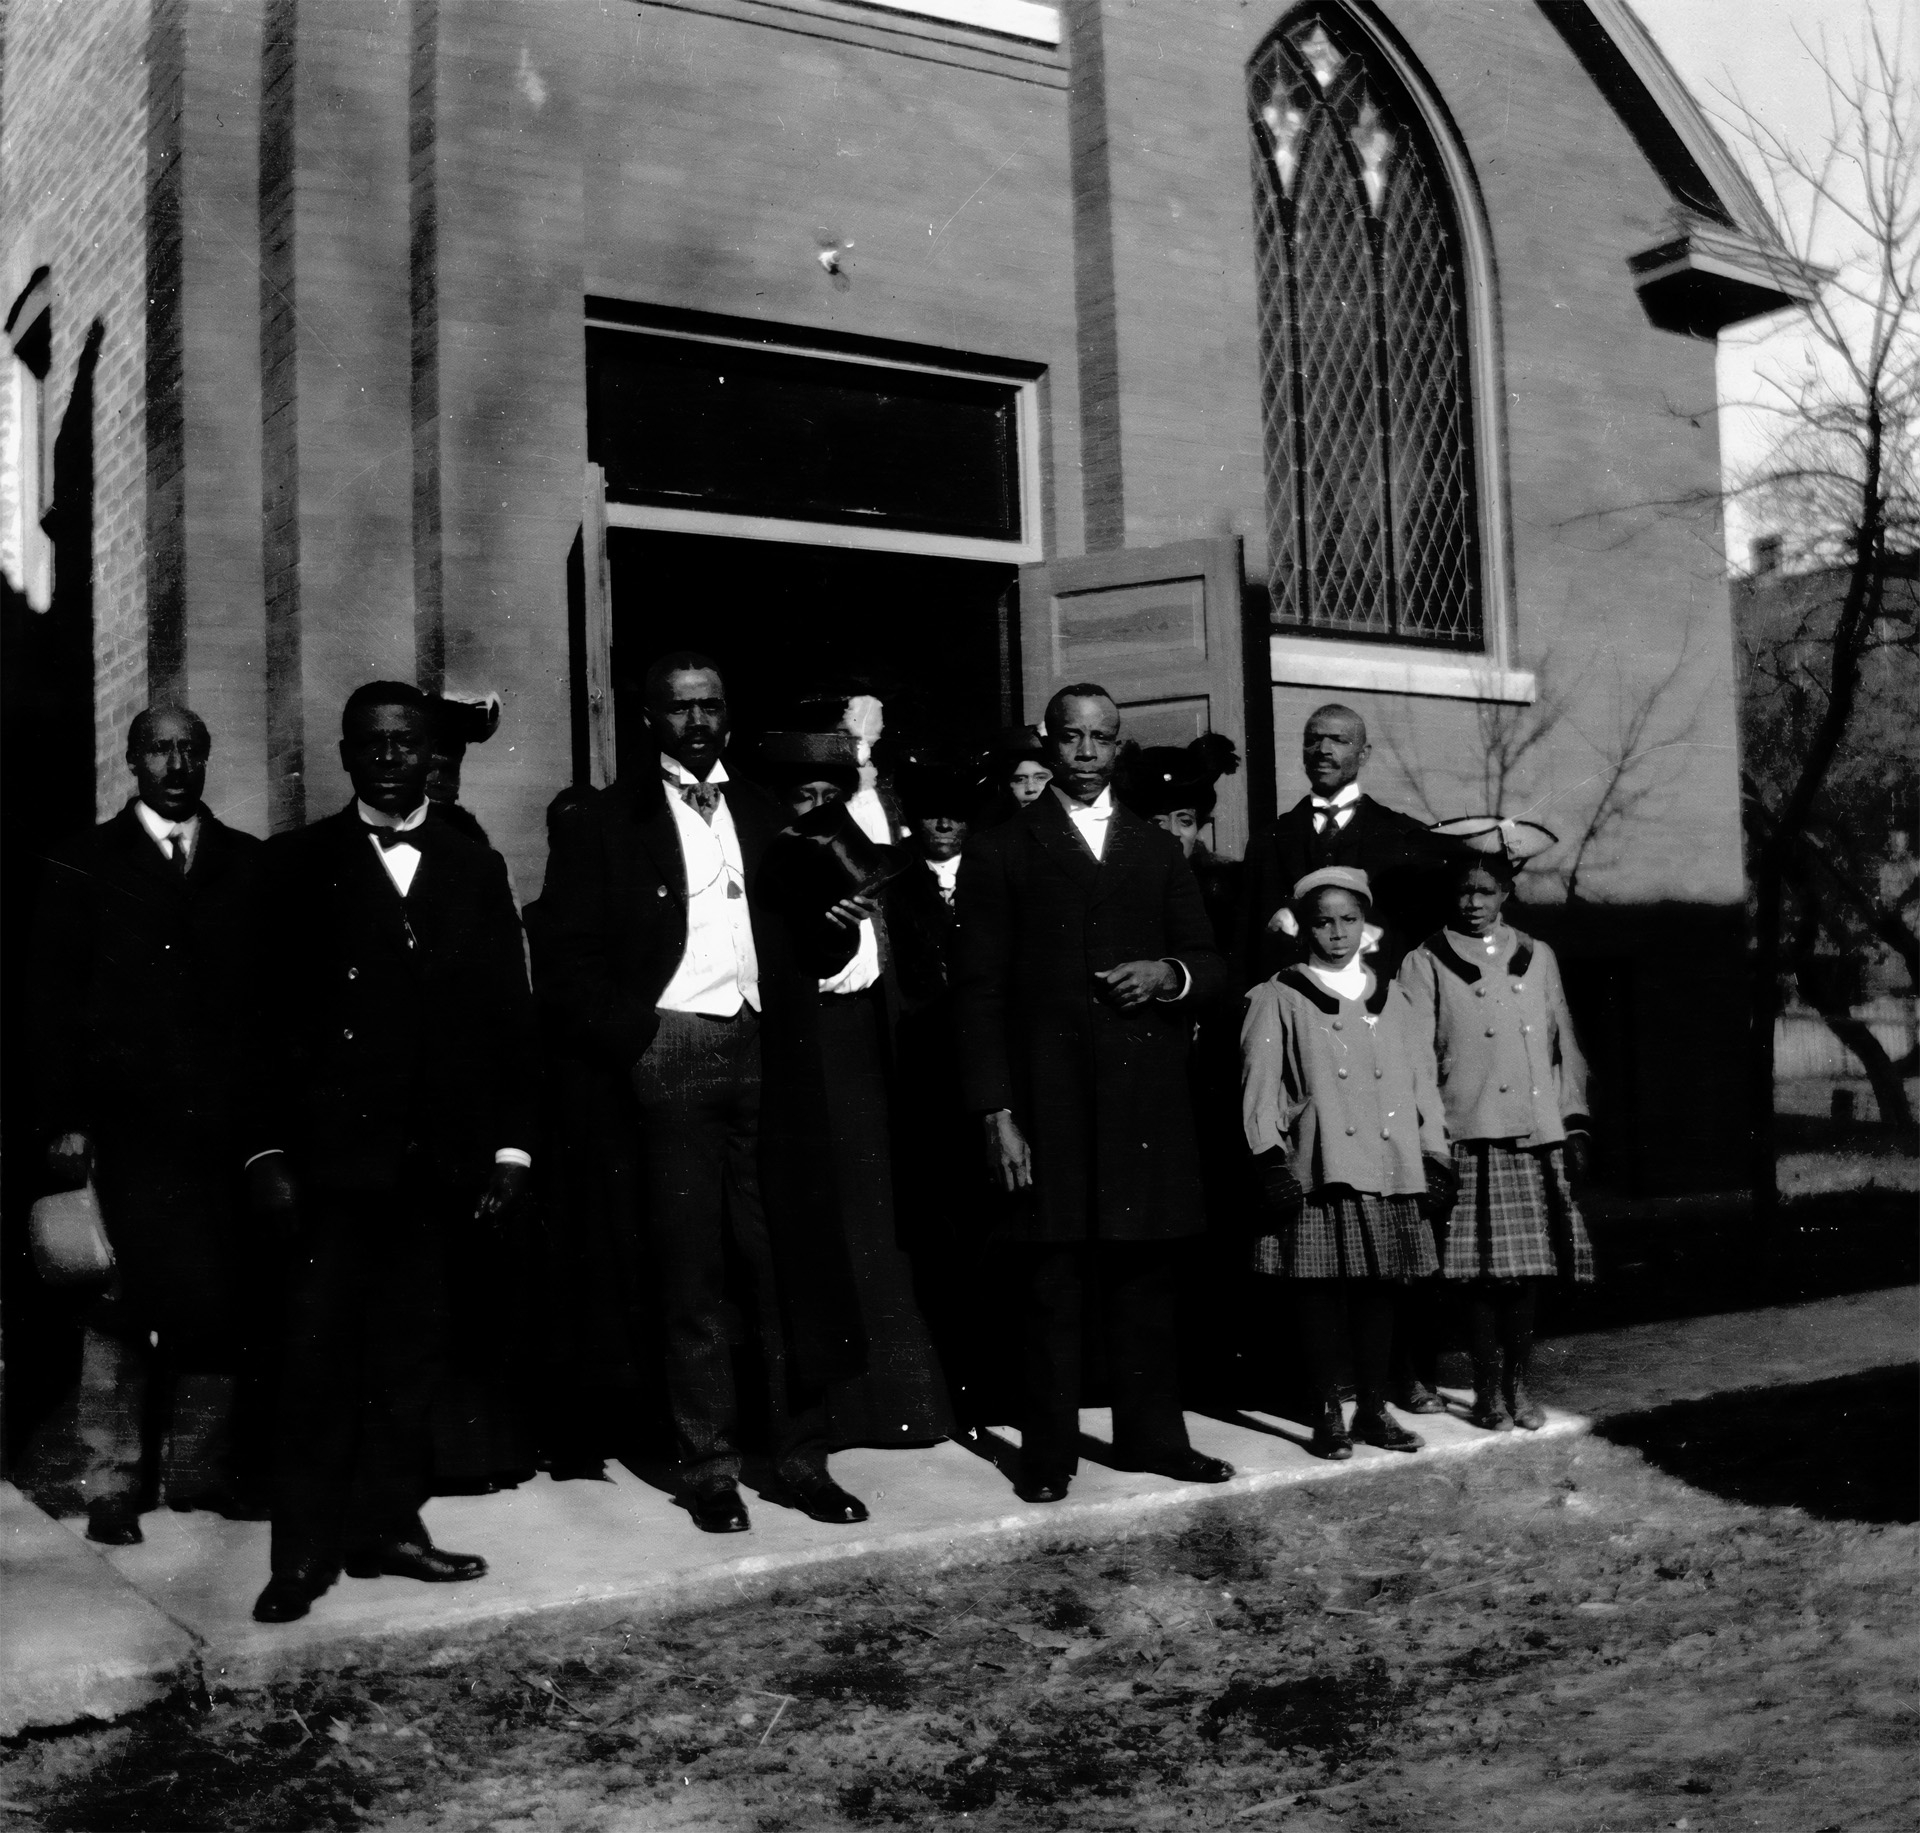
<point>1160,628</point>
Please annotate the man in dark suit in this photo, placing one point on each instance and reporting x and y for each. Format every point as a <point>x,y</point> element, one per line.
<point>670,964</point>
<point>142,941</point>
<point>1338,825</point>
<point>1083,948</point>
<point>391,1074</point>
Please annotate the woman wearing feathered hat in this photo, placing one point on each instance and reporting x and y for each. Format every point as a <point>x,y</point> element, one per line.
<point>1177,788</point>
<point>833,860</point>
<point>1514,1087</point>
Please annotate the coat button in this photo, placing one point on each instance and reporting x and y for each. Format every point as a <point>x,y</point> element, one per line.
<point>1489,1031</point>
<point>1385,1134</point>
<point>353,973</point>
<point>1350,1132</point>
<point>1341,1073</point>
<point>1337,1025</point>
<point>1378,1073</point>
<point>1479,992</point>
<point>1519,986</point>
<point>347,1035</point>
<point>1504,1087</point>
<point>659,891</point>
<point>1526,1027</point>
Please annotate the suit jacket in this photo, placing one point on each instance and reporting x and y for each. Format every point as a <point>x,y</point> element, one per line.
<point>392,1035</point>
<point>1100,1095</point>
<point>1405,861</point>
<point>923,929</point>
<point>140,980</point>
<point>613,931</point>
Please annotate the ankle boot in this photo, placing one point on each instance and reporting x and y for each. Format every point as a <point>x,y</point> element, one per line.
<point>1489,1408</point>
<point>1331,1439</point>
<point>1374,1425</point>
<point>1527,1412</point>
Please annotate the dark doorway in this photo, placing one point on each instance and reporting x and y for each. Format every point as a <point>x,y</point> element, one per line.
<point>934,639</point>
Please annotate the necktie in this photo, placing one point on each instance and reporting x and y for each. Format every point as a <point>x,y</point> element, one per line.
<point>704,798</point>
<point>1326,816</point>
<point>177,841</point>
<point>391,837</point>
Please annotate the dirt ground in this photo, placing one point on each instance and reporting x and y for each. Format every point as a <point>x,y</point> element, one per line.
<point>1704,1621</point>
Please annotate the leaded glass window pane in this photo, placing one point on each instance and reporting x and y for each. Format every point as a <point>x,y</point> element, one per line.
<point>1363,348</point>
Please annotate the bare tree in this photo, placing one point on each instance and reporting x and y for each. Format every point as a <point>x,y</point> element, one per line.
<point>1839,483</point>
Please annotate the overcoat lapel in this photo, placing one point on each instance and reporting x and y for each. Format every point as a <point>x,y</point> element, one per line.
<point>659,839</point>
<point>1124,849</point>
<point>143,856</point>
<point>1055,833</point>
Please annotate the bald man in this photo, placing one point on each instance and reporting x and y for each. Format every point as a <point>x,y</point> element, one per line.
<point>1336,824</point>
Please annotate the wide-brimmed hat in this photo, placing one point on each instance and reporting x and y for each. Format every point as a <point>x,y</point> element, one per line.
<point>810,757</point>
<point>456,722</point>
<point>1335,878</point>
<point>1165,777</point>
<point>1518,840</point>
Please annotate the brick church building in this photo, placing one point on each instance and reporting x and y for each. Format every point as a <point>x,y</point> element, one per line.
<point>1239,354</point>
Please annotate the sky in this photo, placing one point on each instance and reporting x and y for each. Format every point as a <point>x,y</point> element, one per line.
<point>1754,49</point>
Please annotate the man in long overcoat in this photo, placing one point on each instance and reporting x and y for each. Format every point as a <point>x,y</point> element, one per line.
<point>1083,948</point>
<point>143,939</point>
<point>392,1120</point>
<point>668,964</point>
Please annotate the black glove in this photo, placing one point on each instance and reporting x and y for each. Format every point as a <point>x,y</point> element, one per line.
<point>1283,1191</point>
<point>1577,1156</point>
<point>1443,1185</point>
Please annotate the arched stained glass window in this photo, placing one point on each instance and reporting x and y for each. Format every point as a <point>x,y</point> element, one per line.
<point>1365,376</point>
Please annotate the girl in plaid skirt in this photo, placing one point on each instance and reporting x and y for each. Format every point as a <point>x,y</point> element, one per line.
<point>1343,1116</point>
<point>1488,1001</point>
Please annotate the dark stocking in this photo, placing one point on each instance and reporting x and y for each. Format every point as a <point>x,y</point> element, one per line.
<point>1483,1346</point>
<point>1320,1317</point>
<point>1516,1304</point>
<point>1370,1309</point>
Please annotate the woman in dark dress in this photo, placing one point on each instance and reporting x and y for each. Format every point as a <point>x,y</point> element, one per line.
<point>902,1397</point>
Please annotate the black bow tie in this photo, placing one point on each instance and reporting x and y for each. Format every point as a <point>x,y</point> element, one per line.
<point>391,837</point>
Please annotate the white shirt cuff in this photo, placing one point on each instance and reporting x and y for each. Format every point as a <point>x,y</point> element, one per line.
<point>512,1155</point>
<point>270,1152</point>
<point>1186,982</point>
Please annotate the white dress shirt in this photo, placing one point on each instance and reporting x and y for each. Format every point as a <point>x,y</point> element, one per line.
<point>401,862</point>
<point>1090,820</point>
<point>946,875</point>
<point>719,971</point>
<point>169,836</point>
<point>1339,806</point>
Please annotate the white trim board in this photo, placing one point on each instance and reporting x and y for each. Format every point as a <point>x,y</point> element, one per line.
<point>818,534</point>
<point>1011,18</point>
<point>1307,662</point>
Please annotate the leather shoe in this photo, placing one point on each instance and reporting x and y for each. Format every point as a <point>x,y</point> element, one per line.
<point>1528,1414</point>
<point>289,1595</point>
<point>1389,1434</point>
<point>1047,1488</point>
<point>718,1510</point>
<point>821,1498</point>
<point>419,1559</point>
<point>114,1524</point>
<point>1184,1465</point>
<point>1331,1439</point>
<point>1419,1398</point>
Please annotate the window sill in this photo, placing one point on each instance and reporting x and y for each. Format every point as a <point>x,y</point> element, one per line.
<point>1309,662</point>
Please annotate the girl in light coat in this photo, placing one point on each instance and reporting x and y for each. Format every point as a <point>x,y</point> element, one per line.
<point>1342,1114</point>
<point>1489,1005</point>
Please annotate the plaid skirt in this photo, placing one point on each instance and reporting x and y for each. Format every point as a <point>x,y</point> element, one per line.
<point>1342,1233</point>
<point>1515,1217</point>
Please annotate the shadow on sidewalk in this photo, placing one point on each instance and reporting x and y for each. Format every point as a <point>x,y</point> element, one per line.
<point>1843,1450</point>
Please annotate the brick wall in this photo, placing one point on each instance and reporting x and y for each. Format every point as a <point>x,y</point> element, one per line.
<point>73,165</point>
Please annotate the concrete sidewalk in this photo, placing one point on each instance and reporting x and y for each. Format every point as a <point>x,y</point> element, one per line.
<point>92,1632</point>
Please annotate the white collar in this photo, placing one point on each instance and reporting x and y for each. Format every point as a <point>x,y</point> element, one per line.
<point>404,824</point>
<point>161,828</point>
<point>676,772</point>
<point>945,870</point>
<point>1350,982</point>
<point>1341,798</point>
<point>1099,809</point>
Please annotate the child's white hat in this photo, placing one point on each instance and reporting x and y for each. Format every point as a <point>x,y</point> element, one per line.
<point>1339,878</point>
